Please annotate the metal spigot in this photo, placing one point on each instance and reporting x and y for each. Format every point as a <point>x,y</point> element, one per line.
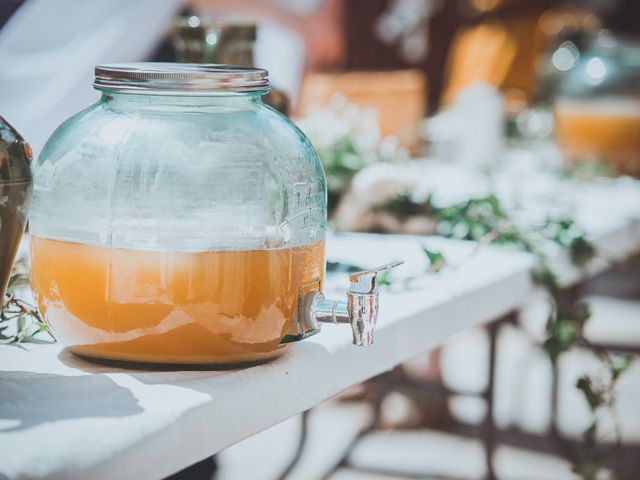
<point>360,310</point>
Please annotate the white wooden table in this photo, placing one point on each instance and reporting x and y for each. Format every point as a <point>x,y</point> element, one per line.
<point>64,418</point>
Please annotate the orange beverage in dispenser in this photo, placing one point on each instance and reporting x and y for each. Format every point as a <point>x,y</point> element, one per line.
<point>216,307</point>
<point>606,129</point>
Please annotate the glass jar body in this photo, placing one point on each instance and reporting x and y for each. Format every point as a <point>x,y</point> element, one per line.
<point>176,229</point>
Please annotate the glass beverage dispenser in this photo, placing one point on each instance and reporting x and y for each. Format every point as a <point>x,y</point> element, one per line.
<point>180,220</point>
<point>597,109</point>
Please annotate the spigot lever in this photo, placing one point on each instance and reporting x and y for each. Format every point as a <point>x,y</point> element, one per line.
<point>363,301</point>
<point>365,281</point>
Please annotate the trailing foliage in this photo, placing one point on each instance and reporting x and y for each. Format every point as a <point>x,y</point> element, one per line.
<point>19,320</point>
<point>485,220</point>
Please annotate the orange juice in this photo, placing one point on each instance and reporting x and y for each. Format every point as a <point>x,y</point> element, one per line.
<point>218,307</point>
<point>606,129</point>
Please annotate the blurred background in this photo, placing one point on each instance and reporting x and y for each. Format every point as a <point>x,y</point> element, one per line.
<point>378,85</point>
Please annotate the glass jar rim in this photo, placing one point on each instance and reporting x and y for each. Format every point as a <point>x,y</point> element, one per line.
<point>165,77</point>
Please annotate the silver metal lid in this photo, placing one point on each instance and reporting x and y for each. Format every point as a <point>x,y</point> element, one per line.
<point>180,77</point>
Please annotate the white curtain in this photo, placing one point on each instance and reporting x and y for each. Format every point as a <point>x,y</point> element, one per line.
<point>49,48</point>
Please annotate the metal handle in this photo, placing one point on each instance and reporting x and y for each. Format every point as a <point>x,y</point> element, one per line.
<point>365,281</point>
<point>363,301</point>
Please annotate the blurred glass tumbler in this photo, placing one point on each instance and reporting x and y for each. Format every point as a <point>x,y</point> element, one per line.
<point>200,40</point>
<point>224,42</point>
<point>15,196</point>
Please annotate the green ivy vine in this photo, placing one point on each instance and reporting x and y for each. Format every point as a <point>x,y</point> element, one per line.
<point>485,220</point>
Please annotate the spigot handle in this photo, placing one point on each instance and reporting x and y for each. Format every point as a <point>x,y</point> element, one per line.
<point>362,301</point>
<point>360,310</point>
<point>365,281</point>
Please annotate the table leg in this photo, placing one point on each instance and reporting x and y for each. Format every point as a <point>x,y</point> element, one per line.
<point>304,431</point>
<point>489,421</point>
<point>203,470</point>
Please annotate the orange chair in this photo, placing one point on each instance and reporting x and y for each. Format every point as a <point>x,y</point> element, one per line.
<point>399,97</point>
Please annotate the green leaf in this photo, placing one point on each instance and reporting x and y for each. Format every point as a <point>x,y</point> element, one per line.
<point>42,327</point>
<point>590,467</point>
<point>566,332</point>
<point>619,365</point>
<point>343,267</point>
<point>594,397</point>
<point>404,205</point>
<point>21,324</point>
<point>589,435</point>
<point>553,348</point>
<point>581,313</point>
<point>384,278</point>
<point>436,259</point>
<point>590,170</point>
<point>547,278</point>
<point>581,252</point>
